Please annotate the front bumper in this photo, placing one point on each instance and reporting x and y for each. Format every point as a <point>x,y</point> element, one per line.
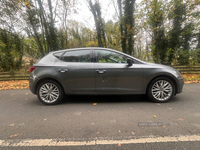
<point>180,86</point>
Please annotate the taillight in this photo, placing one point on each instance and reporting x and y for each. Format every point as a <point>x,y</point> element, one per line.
<point>31,69</point>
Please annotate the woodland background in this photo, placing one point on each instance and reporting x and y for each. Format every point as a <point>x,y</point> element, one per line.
<point>160,31</point>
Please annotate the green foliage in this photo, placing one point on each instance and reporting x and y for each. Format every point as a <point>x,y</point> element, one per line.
<point>12,72</point>
<point>156,23</point>
<point>112,31</point>
<point>177,15</point>
<point>171,27</point>
<point>187,57</point>
<point>127,25</point>
<point>11,51</point>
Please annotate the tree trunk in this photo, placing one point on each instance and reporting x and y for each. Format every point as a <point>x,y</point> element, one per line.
<point>53,36</point>
<point>123,38</point>
<point>96,11</point>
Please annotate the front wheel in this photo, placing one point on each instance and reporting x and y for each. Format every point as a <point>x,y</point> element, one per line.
<point>50,92</point>
<point>161,90</point>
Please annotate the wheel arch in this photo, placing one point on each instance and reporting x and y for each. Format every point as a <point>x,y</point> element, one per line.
<point>47,78</point>
<point>166,76</point>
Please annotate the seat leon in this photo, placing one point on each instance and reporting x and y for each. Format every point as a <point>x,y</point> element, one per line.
<point>100,71</point>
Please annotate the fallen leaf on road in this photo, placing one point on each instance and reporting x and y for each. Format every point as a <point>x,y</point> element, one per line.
<point>11,125</point>
<point>180,119</point>
<point>133,133</point>
<point>45,119</point>
<point>11,94</point>
<point>158,104</point>
<point>170,108</point>
<point>163,126</point>
<point>154,116</point>
<point>94,103</point>
<point>13,135</point>
<point>26,93</point>
<point>119,130</point>
<point>119,144</point>
<point>97,133</point>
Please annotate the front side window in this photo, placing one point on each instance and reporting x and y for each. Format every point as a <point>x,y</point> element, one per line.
<point>77,56</point>
<point>103,56</point>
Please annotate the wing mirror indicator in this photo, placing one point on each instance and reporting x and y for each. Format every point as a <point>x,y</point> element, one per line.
<point>129,61</point>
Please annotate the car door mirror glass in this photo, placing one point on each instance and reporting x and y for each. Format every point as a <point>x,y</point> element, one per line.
<point>129,61</point>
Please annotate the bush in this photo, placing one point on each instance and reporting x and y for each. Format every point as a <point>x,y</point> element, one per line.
<point>188,57</point>
<point>12,72</point>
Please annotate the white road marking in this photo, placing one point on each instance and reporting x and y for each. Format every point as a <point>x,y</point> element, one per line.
<point>63,142</point>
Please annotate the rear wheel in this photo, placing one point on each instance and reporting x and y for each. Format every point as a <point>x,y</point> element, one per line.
<point>50,92</point>
<point>161,90</point>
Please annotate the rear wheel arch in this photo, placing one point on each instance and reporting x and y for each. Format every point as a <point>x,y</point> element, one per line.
<point>45,79</point>
<point>166,76</point>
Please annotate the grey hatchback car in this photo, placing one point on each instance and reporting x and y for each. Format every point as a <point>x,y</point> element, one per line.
<point>101,71</point>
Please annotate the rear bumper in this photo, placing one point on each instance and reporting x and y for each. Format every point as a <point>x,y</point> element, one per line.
<point>180,86</point>
<point>32,83</point>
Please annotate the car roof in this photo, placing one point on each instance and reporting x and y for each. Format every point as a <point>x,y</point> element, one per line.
<point>83,48</point>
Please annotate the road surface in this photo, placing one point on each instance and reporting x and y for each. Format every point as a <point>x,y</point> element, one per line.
<point>114,122</point>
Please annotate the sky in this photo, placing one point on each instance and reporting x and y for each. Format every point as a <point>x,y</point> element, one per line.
<point>84,15</point>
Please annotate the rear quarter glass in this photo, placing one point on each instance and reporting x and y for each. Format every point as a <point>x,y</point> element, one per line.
<point>58,55</point>
<point>47,60</point>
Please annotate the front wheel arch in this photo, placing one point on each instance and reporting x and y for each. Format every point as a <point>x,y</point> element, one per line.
<point>165,76</point>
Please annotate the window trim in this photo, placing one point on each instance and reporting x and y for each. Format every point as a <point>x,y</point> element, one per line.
<point>91,54</point>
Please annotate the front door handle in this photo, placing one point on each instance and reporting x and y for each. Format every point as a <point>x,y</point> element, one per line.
<point>62,70</point>
<point>101,71</point>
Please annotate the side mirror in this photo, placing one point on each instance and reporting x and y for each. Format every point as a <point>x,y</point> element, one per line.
<point>129,61</point>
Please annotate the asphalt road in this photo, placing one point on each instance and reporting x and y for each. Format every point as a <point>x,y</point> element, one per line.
<point>22,116</point>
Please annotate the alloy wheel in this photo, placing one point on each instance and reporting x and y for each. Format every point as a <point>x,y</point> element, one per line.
<point>49,92</point>
<point>161,90</point>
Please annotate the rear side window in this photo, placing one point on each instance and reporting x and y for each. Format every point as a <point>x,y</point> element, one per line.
<point>58,55</point>
<point>77,56</point>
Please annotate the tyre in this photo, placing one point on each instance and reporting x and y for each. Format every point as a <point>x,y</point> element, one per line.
<point>50,92</point>
<point>161,90</point>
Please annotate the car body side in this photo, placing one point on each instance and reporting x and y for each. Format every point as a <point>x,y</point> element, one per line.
<point>46,68</point>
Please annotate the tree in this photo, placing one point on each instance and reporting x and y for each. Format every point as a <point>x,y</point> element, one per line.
<point>112,35</point>
<point>126,16</point>
<point>99,23</point>
<point>156,23</point>
<point>187,35</point>
<point>11,49</point>
<point>177,15</point>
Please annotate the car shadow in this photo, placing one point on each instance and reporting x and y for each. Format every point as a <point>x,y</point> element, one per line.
<point>84,99</point>
<point>105,99</point>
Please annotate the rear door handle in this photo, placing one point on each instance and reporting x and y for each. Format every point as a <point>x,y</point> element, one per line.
<point>101,71</point>
<point>62,70</point>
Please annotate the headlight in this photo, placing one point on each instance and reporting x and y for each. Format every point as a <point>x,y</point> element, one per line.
<point>178,74</point>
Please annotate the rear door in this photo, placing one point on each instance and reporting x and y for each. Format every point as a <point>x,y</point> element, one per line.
<point>76,70</point>
<point>114,75</point>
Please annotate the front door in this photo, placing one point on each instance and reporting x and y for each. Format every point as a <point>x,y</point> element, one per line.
<point>76,70</point>
<point>114,75</point>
